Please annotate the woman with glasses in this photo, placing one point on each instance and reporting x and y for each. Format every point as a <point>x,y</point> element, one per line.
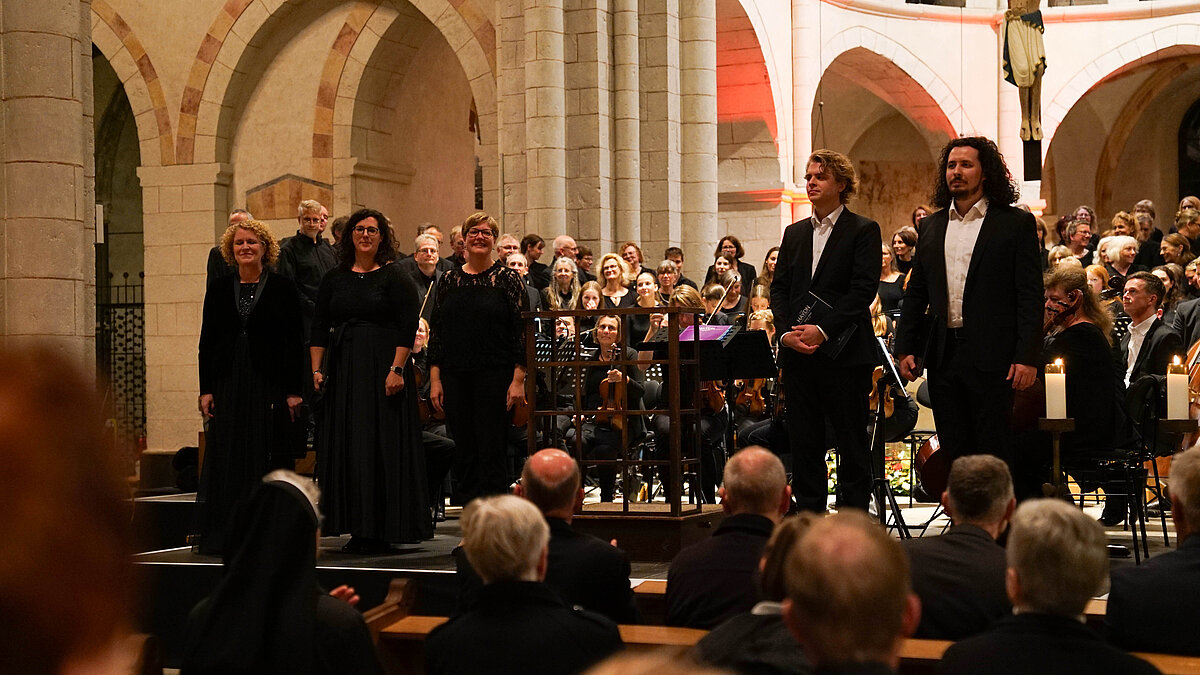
<point>477,357</point>
<point>370,461</point>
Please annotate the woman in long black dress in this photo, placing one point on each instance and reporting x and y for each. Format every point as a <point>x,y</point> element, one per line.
<point>370,462</point>
<point>251,376</point>
<point>477,357</point>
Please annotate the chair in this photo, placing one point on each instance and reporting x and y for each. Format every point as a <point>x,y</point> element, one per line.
<point>1123,464</point>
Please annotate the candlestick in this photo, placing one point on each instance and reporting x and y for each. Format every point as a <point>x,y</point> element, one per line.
<point>1056,390</point>
<point>1177,391</point>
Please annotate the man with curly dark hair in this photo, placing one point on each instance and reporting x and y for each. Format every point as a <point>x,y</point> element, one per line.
<point>978,274</point>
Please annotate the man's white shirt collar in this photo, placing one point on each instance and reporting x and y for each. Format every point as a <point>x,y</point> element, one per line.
<point>979,208</point>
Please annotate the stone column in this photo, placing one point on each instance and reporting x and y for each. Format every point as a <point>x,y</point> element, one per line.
<point>183,206</point>
<point>806,76</point>
<point>47,228</point>
<point>658,31</point>
<point>545,117</point>
<point>510,127</point>
<point>627,130</point>
<point>698,121</point>
<point>589,207</point>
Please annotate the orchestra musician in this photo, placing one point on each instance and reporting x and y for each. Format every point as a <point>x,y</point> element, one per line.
<point>602,385</point>
<point>439,447</point>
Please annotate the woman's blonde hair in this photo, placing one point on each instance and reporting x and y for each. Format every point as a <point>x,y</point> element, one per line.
<point>626,270</point>
<point>260,230</point>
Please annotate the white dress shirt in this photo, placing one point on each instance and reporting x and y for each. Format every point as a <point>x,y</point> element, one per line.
<point>1137,336</point>
<point>962,231</point>
<point>821,230</point>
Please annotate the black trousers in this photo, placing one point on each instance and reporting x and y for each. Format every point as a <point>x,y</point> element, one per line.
<point>712,449</point>
<point>819,392</point>
<point>478,422</point>
<point>439,456</point>
<point>972,408</point>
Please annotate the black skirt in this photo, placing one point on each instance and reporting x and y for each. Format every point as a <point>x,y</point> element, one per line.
<point>370,461</point>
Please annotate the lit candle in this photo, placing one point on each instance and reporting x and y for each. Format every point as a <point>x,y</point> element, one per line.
<point>1056,391</point>
<point>1177,391</point>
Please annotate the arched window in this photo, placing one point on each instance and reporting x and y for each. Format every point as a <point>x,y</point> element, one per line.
<point>1189,152</point>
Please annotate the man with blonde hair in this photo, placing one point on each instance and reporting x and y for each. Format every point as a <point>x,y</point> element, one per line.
<point>1153,607</point>
<point>306,257</point>
<point>1057,562</point>
<point>849,603</point>
<point>826,277</point>
<point>715,579</point>
<point>515,623</point>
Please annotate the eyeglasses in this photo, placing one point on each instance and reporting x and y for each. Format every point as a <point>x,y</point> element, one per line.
<point>360,230</point>
<point>485,232</point>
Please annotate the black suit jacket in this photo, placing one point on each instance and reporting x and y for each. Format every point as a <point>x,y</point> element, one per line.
<point>717,578</point>
<point>520,627</point>
<point>584,570</point>
<point>1002,298</point>
<point>1155,607</point>
<point>1160,345</point>
<point>1039,643</point>
<point>959,577</point>
<point>273,330</point>
<point>847,277</point>
<point>1187,321</point>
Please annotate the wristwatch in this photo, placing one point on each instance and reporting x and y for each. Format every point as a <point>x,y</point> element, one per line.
<point>399,370</point>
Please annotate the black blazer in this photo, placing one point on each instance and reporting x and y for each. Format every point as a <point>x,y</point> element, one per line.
<point>1039,643</point>
<point>959,577</point>
<point>1187,321</point>
<point>1155,606</point>
<point>717,578</point>
<point>1160,345</point>
<point>847,277</point>
<point>1002,298</point>
<point>273,330</point>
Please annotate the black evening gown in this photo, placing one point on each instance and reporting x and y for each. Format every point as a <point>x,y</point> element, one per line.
<point>251,359</point>
<point>370,460</point>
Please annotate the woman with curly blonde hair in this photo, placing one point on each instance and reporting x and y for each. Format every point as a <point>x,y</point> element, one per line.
<point>251,377</point>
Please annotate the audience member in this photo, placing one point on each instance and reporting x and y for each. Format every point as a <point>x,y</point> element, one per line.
<point>657,662</point>
<point>959,576</point>
<point>517,623</point>
<point>66,576</point>
<point>759,641</point>
<point>715,579</point>
<point>1153,607</point>
<point>1056,563</point>
<point>268,614</point>
<point>583,569</point>
<point>849,602</point>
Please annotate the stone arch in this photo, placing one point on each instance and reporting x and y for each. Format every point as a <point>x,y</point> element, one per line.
<point>779,97</point>
<point>112,35</point>
<point>1163,41</point>
<point>241,27</point>
<point>931,84</point>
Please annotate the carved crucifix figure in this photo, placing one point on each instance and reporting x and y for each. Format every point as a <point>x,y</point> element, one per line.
<point>1024,62</point>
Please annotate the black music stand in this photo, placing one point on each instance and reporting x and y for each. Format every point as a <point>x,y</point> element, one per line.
<point>885,497</point>
<point>746,355</point>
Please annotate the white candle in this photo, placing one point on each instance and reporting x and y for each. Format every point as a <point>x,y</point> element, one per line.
<point>1056,391</point>
<point>1177,391</point>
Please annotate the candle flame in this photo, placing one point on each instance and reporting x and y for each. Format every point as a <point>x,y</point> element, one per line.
<point>1176,359</point>
<point>1058,362</point>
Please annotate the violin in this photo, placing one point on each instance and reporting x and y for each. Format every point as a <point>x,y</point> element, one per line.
<point>424,407</point>
<point>750,398</point>
<point>712,397</point>
<point>613,398</point>
<point>889,405</point>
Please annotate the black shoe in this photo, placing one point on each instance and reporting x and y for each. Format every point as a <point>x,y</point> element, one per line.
<point>1114,513</point>
<point>1159,507</point>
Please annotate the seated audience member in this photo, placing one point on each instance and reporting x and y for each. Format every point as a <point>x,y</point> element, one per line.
<point>759,641</point>
<point>516,622</point>
<point>268,614</point>
<point>1153,607</point>
<point>715,579</point>
<point>959,576</point>
<point>657,662</point>
<point>66,576</point>
<point>1056,562</point>
<point>849,603</point>
<point>583,569</point>
<point>1149,345</point>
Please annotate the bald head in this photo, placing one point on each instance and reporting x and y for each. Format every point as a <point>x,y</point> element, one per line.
<point>551,480</point>
<point>755,482</point>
